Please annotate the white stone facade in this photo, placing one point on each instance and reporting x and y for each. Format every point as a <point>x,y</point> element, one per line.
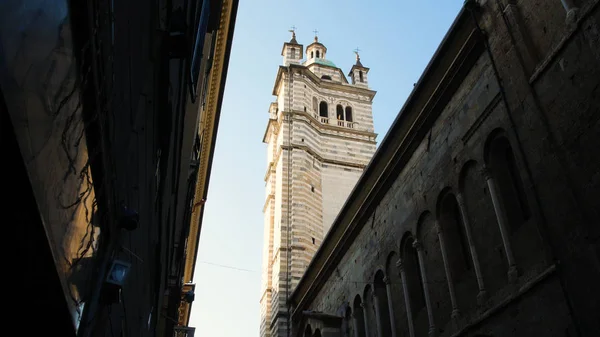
<point>319,138</point>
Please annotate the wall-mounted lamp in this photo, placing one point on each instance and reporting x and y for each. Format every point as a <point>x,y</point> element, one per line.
<point>189,296</point>
<point>118,272</point>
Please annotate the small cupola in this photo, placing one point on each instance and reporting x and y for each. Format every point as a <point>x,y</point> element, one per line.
<point>315,51</point>
<point>358,73</point>
<point>292,51</point>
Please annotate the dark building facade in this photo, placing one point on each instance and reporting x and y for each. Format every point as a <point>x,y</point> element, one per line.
<point>109,112</point>
<point>478,214</point>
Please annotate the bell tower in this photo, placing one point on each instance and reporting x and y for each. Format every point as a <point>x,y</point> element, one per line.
<point>319,138</point>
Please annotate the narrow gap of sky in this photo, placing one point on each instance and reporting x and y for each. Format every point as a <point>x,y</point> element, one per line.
<point>397,39</point>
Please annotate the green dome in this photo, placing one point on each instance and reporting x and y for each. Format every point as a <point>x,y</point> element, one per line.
<point>325,62</point>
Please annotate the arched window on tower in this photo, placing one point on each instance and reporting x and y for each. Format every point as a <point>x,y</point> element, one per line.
<point>349,114</point>
<point>312,54</point>
<point>323,109</point>
<point>339,112</point>
<point>360,75</point>
<point>318,54</point>
<point>315,104</point>
<point>293,52</point>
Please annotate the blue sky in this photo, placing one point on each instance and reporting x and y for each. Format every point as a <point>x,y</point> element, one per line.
<point>396,38</point>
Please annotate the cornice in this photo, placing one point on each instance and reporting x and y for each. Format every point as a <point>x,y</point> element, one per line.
<point>216,83</point>
<point>349,88</point>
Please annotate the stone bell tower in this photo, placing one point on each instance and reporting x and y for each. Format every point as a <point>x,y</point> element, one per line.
<point>319,138</point>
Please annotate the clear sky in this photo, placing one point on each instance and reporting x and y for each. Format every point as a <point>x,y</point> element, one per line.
<point>396,39</point>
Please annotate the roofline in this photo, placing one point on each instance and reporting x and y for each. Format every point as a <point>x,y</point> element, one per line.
<point>332,67</point>
<point>221,88</point>
<point>464,45</point>
<point>319,43</point>
<point>357,89</point>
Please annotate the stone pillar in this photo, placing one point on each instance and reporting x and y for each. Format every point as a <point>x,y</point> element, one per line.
<point>503,224</point>
<point>355,323</point>
<point>378,314</point>
<point>409,318</point>
<point>366,318</point>
<point>571,9</point>
<point>455,312</point>
<point>417,245</point>
<point>388,289</point>
<point>482,295</point>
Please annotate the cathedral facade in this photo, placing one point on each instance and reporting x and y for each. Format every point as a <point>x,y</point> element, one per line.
<point>319,138</point>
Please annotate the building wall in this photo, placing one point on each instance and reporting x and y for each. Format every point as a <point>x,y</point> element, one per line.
<point>549,116</point>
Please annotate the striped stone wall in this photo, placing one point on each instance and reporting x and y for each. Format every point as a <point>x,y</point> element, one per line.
<point>313,165</point>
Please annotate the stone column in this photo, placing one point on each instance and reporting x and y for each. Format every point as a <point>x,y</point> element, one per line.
<point>482,295</point>
<point>417,245</point>
<point>388,289</point>
<point>455,312</point>
<point>409,318</point>
<point>366,318</point>
<point>378,314</point>
<point>355,324</point>
<point>502,223</point>
<point>571,9</point>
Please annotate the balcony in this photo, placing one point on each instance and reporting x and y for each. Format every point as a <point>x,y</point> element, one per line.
<point>341,123</point>
<point>183,331</point>
<point>346,124</point>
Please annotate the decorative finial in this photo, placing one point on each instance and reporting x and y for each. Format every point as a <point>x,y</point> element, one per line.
<point>316,37</point>
<point>356,52</point>
<point>293,31</point>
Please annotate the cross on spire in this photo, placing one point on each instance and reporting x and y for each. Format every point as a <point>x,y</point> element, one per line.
<point>316,32</point>
<point>357,56</point>
<point>293,31</point>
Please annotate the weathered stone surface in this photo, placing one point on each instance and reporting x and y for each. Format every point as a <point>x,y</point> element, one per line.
<point>511,153</point>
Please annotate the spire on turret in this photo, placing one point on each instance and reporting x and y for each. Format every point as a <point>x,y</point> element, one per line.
<point>358,73</point>
<point>293,31</point>
<point>357,57</point>
<point>292,51</point>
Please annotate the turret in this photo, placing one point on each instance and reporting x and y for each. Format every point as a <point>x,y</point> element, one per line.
<point>292,51</point>
<point>358,73</point>
<point>315,51</point>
